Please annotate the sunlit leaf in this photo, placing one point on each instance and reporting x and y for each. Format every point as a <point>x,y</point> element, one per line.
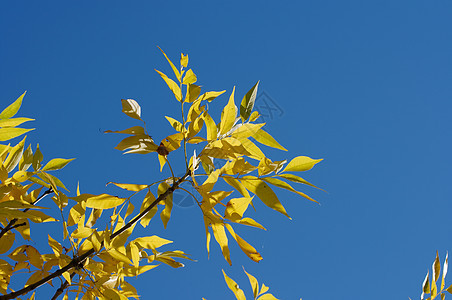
<point>184,60</point>
<point>266,139</point>
<point>249,250</point>
<point>253,282</point>
<point>234,287</point>
<point>13,122</point>
<point>135,130</point>
<point>175,70</point>
<point>193,92</point>
<point>265,193</point>
<point>301,163</point>
<point>228,115</point>
<point>130,186</point>
<point>174,87</point>
<point>209,96</point>
<point>56,164</point>
<point>285,185</point>
<point>13,108</point>
<point>189,77</point>
<point>102,201</point>
<point>175,123</point>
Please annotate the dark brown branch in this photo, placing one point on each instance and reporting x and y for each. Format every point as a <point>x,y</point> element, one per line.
<point>80,259</point>
<point>12,223</point>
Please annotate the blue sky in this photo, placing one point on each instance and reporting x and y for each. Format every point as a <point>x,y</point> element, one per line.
<point>366,85</point>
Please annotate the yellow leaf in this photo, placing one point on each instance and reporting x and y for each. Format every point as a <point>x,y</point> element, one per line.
<point>56,247</point>
<point>172,85</point>
<point>151,242</point>
<point>175,123</point>
<point>236,207</point>
<point>267,297</point>
<point>193,92</point>
<point>445,266</point>
<point>102,201</point>
<point>211,127</point>
<point>34,257</point>
<point>249,250</point>
<point>7,242</point>
<point>436,268</point>
<point>266,139</point>
<point>296,178</point>
<point>119,256</point>
<point>56,164</point>
<point>26,160</point>
<point>250,222</point>
<point>175,70</point>
<point>235,183</point>
<point>190,77</point>
<point>130,186</point>
<point>253,282</point>
<point>184,60</point>
<point>36,276</point>
<point>254,116</point>
<point>255,151</point>
<point>246,130</point>
<point>168,201</point>
<point>265,193</point>
<point>211,180</point>
<point>170,143</point>
<point>209,96</point>
<point>301,163</point>
<point>285,185</point>
<point>234,287</point>
<point>13,122</point>
<point>228,115</point>
<point>135,130</point>
<point>135,254</point>
<point>141,144</point>
<point>13,108</point>
<point>148,199</point>
<point>14,156</point>
<point>131,108</point>
<point>220,236</point>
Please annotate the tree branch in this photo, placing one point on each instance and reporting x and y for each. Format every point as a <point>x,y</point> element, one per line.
<point>11,224</point>
<point>80,259</point>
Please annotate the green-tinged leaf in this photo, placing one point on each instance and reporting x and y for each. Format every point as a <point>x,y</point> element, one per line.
<point>285,185</point>
<point>266,139</point>
<point>48,178</point>
<point>183,60</point>
<point>297,179</point>
<point>151,242</point>
<point>234,287</point>
<point>56,164</point>
<point>436,268</point>
<point>175,70</point>
<point>426,285</point>
<point>168,201</point>
<point>246,107</point>
<point>130,186</point>
<point>27,159</point>
<point>209,96</point>
<point>265,193</point>
<point>193,92</point>
<point>102,201</point>
<point>14,156</point>
<point>228,115</point>
<point>175,123</point>
<point>7,242</point>
<point>301,163</point>
<point>13,122</point>
<point>10,133</point>
<point>13,108</point>
<point>135,130</point>
<point>37,159</point>
<point>190,77</point>
<point>174,87</point>
<point>131,108</point>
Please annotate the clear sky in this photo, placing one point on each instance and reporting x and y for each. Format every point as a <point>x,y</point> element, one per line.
<point>366,85</point>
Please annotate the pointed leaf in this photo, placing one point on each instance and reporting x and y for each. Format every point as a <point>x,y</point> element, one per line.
<point>301,163</point>
<point>190,77</point>
<point>13,108</point>
<point>285,185</point>
<point>175,70</point>
<point>174,87</point>
<point>246,107</point>
<point>228,115</point>
<point>10,133</point>
<point>234,287</point>
<point>56,164</point>
<point>266,139</point>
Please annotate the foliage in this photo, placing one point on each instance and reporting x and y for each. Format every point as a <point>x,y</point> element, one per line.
<point>95,263</point>
<point>430,287</point>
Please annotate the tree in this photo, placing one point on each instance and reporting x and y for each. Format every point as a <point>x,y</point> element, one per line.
<point>95,263</point>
